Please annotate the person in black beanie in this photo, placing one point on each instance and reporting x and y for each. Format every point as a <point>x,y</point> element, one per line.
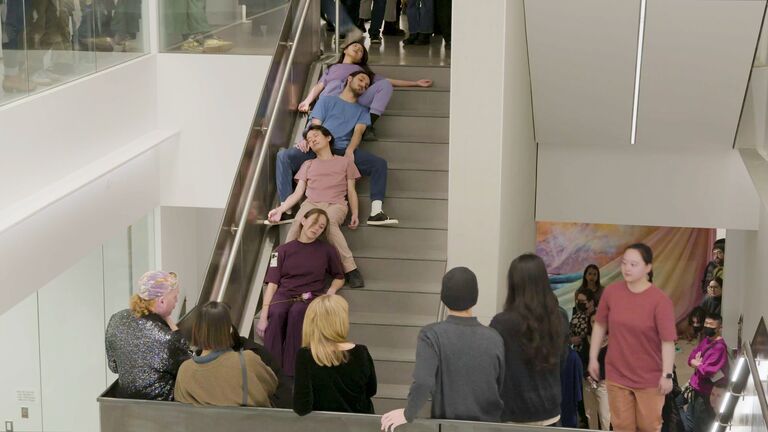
<point>459,362</point>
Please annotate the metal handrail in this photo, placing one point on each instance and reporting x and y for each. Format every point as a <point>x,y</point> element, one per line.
<point>262,158</point>
<point>755,373</point>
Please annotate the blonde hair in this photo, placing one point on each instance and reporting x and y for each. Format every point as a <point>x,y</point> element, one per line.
<point>141,307</point>
<point>326,324</point>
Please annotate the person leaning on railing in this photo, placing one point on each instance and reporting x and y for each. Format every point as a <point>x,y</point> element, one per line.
<point>144,347</point>
<point>220,376</point>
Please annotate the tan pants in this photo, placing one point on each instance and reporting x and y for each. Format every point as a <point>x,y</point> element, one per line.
<point>596,404</point>
<point>337,213</point>
<point>635,409</point>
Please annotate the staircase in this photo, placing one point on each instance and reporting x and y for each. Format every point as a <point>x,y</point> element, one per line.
<point>403,264</point>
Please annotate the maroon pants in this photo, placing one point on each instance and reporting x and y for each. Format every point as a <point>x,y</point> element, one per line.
<point>282,338</point>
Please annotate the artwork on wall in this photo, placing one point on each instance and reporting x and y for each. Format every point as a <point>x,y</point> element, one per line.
<point>680,256</point>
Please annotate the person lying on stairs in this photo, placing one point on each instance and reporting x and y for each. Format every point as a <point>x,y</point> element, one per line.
<point>328,181</point>
<point>346,120</point>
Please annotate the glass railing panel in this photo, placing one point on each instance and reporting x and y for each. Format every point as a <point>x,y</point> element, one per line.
<point>46,43</point>
<point>221,26</point>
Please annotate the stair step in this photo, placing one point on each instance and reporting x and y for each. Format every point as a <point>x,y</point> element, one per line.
<point>402,275</point>
<point>410,184</point>
<point>419,101</point>
<point>406,243</point>
<point>392,391</point>
<point>410,155</point>
<point>369,301</point>
<point>404,128</point>
<point>394,372</point>
<point>387,342</point>
<point>411,212</point>
<point>390,319</point>
<point>440,75</point>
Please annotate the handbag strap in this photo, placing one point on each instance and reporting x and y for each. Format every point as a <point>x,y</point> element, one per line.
<point>245,378</point>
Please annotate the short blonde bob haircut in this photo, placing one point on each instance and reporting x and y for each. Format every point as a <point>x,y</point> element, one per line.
<point>326,324</point>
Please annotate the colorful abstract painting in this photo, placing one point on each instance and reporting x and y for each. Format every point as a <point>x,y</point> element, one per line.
<point>680,256</point>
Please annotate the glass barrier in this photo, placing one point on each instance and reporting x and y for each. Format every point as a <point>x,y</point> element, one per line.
<point>221,26</point>
<point>49,42</point>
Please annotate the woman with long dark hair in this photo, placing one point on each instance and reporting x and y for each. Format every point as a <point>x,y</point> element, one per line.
<point>355,58</point>
<point>638,367</point>
<point>534,329</point>
<point>590,280</point>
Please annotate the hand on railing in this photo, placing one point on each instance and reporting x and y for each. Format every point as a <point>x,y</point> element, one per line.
<point>274,215</point>
<point>393,419</point>
<point>304,106</point>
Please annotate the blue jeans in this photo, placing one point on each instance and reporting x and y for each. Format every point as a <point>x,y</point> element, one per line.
<point>289,161</point>
<point>421,16</point>
<point>328,8</point>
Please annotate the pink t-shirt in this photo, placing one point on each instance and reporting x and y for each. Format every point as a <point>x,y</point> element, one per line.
<point>327,179</point>
<point>637,324</point>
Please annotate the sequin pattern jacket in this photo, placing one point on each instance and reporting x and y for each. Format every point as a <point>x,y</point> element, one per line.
<point>145,354</point>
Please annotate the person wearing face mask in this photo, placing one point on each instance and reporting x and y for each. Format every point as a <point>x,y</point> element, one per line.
<point>709,361</point>
<point>580,326</point>
<point>696,323</point>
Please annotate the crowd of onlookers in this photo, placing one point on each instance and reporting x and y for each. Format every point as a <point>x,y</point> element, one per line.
<point>526,367</point>
<point>425,19</point>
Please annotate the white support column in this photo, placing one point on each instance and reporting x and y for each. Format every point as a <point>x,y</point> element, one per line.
<point>492,149</point>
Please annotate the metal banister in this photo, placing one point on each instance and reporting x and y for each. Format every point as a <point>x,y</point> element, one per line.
<point>754,372</point>
<point>262,156</point>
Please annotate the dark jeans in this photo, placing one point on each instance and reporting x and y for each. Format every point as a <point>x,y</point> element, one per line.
<point>443,18</point>
<point>698,415</point>
<point>289,161</point>
<point>14,27</point>
<point>377,17</point>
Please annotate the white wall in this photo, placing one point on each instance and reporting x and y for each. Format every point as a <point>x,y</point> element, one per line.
<point>187,236</point>
<point>48,136</point>
<point>492,163</point>
<point>211,100</point>
<point>640,185</point>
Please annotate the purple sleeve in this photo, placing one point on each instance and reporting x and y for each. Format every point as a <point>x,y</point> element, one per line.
<point>334,263</point>
<point>324,79</point>
<point>275,266</point>
<point>714,360</point>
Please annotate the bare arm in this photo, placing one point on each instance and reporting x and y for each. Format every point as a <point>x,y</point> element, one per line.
<point>357,137</point>
<point>353,203</point>
<point>405,83</point>
<point>598,333</point>
<point>292,200</point>
<point>313,94</point>
<point>336,285</point>
<point>269,292</point>
<point>667,364</point>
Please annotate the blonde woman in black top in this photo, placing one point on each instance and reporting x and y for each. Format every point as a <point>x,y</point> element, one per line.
<point>332,373</point>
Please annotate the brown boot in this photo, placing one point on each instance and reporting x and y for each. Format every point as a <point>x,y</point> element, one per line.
<point>17,83</point>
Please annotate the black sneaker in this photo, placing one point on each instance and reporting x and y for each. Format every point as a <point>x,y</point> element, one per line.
<point>423,39</point>
<point>354,279</point>
<point>370,134</point>
<point>381,219</point>
<point>393,32</point>
<point>375,40</point>
<point>411,40</point>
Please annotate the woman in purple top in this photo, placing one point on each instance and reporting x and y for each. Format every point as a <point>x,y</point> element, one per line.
<point>296,275</point>
<point>355,58</point>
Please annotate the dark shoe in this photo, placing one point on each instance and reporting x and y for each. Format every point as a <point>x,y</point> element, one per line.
<point>361,25</point>
<point>448,46</point>
<point>423,39</point>
<point>393,32</point>
<point>411,40</point>
<point>381,219</point>
<point>375,40</point>
<point>354,279</point>
<point>370,134</point>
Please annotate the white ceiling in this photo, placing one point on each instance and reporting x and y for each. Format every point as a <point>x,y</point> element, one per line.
<point>696,60</point>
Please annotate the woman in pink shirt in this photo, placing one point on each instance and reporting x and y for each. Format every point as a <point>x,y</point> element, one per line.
<point>327,181</point>
<point>638,367</point>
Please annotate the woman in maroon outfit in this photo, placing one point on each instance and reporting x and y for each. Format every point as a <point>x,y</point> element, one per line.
<point>297,274</point>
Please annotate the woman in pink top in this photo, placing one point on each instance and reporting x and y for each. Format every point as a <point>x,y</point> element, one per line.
<point>328,181</point>
<point>638,367</point>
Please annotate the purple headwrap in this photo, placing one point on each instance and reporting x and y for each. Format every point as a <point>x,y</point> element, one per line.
<point>155,284</point>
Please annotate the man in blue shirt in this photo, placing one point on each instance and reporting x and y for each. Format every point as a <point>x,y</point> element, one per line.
<point>346,120</point>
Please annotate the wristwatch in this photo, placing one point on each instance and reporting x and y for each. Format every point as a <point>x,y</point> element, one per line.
<point>668,376</point>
